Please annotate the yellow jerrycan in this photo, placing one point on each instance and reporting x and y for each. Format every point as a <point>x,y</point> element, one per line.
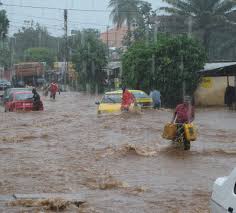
<point>190,132</point>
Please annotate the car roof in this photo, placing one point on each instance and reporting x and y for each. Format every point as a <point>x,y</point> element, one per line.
<point>22,92</point>
<point>117,92</point>
<point>20,89</point>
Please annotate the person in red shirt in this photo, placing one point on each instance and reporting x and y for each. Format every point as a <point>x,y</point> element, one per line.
<point>184,113</point>
<point>127,99</point>
<point>54,89</point>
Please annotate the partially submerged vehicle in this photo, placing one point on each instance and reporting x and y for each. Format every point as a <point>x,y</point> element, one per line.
<point>111,101</point>
<point>8,91</point>
<point>224,194</point>
<point>21,101</point>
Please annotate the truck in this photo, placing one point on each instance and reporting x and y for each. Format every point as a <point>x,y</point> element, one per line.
<point>30,73</point>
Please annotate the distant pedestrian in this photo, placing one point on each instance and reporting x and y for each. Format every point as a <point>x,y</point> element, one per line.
<point>53,90</point>
<point>156,98</point>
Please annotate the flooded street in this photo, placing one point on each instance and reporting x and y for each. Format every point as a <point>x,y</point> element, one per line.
<point>119,163</point>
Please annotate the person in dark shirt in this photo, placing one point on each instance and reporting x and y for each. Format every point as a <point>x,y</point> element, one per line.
<point>36,100</point>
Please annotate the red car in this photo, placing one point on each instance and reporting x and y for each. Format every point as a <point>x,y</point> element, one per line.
<point>20,101</point>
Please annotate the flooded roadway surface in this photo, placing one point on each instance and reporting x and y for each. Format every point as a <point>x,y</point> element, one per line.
<point>119,163</point>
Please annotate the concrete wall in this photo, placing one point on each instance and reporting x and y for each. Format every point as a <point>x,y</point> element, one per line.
<point>211,91</point>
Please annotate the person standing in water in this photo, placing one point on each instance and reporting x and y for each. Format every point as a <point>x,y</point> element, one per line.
<point>53,90</point>
<point>156,98</point>
<point>184,113</point>
<point>127,100</point>
<point>37,104</point>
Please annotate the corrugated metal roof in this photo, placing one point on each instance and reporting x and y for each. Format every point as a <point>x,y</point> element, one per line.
<point>219,69</point>
<point>213,66</point>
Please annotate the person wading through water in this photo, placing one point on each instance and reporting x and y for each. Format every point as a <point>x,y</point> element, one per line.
<point>127,100</point>
<point>37,104</point>
<point>184,113</point>
<point>53,90</point>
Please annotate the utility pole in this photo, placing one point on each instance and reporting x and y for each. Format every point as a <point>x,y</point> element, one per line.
<point>184,82</point>
<point>108,43</point>
<point>66,45</point>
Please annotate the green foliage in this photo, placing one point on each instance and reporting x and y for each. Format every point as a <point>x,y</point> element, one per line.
<point>4,24</point>
<point>143,19</point>
<point>89,56</point>
<point>32,37</point>
<point>137,63</point>
<point>208,15</point>
<point>5,56</point>
<point>164,65</point>
<point>143,30</point>
<point>40,55</point>
<point>125,12</point>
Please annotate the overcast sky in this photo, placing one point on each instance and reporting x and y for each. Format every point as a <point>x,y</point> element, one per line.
<point>53,19</point>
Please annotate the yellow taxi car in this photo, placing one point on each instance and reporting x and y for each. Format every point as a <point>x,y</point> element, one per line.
<point>111,101</point>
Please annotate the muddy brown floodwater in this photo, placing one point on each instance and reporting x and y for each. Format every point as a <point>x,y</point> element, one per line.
<point>119,163</point>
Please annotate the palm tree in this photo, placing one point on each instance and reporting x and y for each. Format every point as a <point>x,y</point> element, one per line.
<point>124,12</point>
<point>207,15</point>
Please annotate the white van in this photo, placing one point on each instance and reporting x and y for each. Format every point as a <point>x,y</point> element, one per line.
<point>224,194</point>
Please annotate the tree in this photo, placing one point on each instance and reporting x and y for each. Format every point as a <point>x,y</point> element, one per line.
<point>32,37</point>
<point>208,15</point>
<point>5,56</point>
<point>143,29</point>
<point>40,55</point>
<point>124,11</point>
<point>4,24</point>
<point>176,59</point>
<point>89,56</point>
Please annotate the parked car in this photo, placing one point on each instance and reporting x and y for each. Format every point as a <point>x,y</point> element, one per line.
<point>40,81</point>
<point>4,84</point>
<point>111,101</point>
<point>8,91</point>
<point>20,83</point>
<point>142,98</point>
<point>20,101</point>
<point>224,194</point>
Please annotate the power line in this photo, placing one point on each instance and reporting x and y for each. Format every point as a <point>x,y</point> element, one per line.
<point>60,20</point>
<point>54,8</point>
<point>70,9</point>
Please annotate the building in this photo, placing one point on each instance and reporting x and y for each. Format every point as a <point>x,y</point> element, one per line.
<point>114,36</point>
<point>215,78</point>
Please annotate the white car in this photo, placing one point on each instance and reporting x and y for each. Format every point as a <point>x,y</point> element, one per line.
<point>224,194</point>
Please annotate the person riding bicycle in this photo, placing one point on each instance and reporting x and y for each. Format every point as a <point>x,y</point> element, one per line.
<point>184,113</point>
